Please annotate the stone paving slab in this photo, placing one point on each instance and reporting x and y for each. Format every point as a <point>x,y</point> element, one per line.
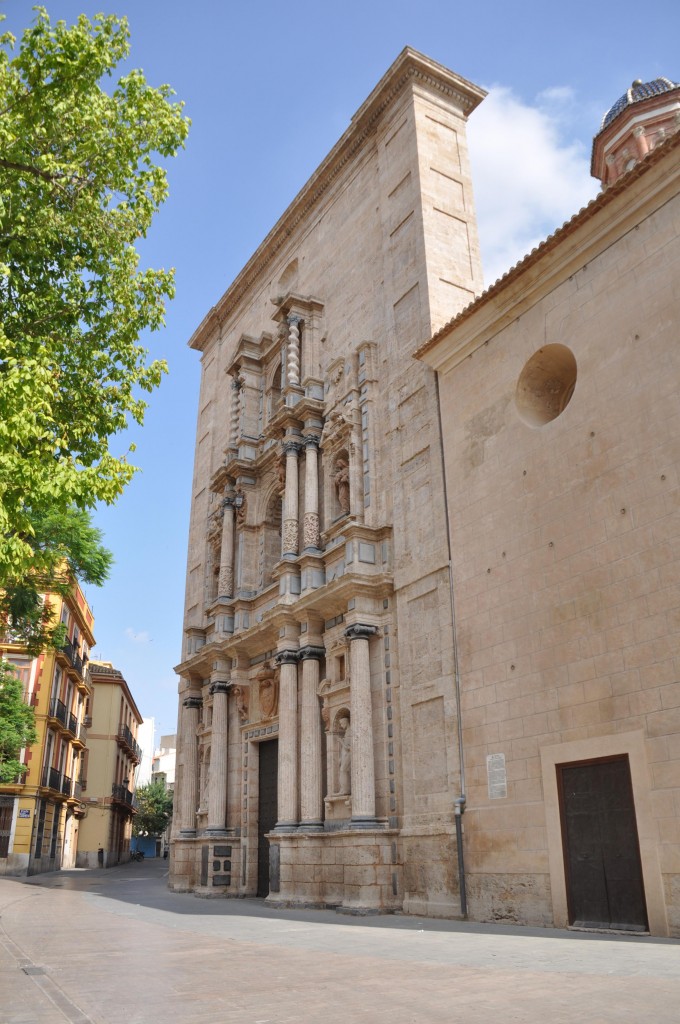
<point>116,945</point>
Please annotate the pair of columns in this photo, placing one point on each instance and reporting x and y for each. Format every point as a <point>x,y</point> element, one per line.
<point>309,785</point>
<point>217,783</point>
<point>289,545</point>
<point>310,522</point>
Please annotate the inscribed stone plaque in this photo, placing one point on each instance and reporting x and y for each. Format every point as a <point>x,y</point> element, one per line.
<point>497,776</point>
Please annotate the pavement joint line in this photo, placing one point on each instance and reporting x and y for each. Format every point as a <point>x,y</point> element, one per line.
<point>41,979</point>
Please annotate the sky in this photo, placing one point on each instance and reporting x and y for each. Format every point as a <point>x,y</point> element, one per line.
<point>270,87</point>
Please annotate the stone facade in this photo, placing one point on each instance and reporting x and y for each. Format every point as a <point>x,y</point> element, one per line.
<point>559,394</point>
<point>318,610</point>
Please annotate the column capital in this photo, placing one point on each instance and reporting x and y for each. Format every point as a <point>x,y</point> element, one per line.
<point>288,657</point>
<point>360,631</point>
<point>236,383</point>
<point>311,441</point>
<point>221,686</point>
<point>228,501</point>
<point>312,651</point>
<point>291,447</point>
<point>192,703</point>
<point>294,318</point>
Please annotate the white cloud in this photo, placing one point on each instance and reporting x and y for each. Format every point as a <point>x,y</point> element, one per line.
<point>529,173</point>
<point>137,636</point>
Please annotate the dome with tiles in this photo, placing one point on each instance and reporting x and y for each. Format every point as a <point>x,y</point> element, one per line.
<point>638,91</point>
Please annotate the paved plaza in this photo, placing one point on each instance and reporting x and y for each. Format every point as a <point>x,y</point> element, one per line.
<point>102,947</point>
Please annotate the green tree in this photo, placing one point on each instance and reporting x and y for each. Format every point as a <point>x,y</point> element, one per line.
<point>154,810</point>
<point>17,727</point>
<point>81,176</point>
<point>67,548</point>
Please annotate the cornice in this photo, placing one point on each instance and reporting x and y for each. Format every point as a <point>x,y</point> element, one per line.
<point>410,66</point>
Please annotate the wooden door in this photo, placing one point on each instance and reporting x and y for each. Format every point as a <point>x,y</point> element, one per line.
<point>601,850</point>
<point>267,809</point>
<point>6,814</point>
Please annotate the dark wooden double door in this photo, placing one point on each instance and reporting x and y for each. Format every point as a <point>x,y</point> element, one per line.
<point>601,849</point>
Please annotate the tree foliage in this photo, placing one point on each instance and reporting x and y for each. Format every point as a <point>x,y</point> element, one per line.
<point>81,177</point>
<point>154,810</point>
<point>17,727</point>
<point>67,548</point>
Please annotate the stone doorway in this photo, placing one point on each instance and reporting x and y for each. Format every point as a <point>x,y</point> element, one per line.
<point>601,851</point>
<point>268,772</point>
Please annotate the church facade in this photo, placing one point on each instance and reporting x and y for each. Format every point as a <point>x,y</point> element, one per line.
<point>318,736</point>
<point>430,652</point>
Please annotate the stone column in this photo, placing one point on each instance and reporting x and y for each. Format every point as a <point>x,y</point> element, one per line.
<point>288,743</point>
<point>217,783</point>
<point>225,585</point>
<point>290,500</point>
<point>363,768</point>
<point>189,796</point>
<point>311,803</point>
<point>235,412</point>
<point>310,527</point>
<point>293,355</point>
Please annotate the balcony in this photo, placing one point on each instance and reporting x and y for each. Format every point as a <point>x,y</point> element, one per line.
<point>80,734</point>
<point>123,795</point>
<point>58,711</point>
<point>127,740</point>
<point>75,661</point>
<point>56,781</point>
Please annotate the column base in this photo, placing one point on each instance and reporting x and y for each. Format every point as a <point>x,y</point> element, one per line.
<point>364,821</point>
<point>218,833</point>
<point>187,833</point>
<point>311,826</point>
<point>285,826</point>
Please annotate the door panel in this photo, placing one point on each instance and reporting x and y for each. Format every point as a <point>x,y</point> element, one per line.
<point>602,857</point>
<point>267,809</point>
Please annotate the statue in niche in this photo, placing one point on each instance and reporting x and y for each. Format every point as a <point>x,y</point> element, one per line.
<point>345,756</point>
<point>281,471</point>
<point>341,480</point>
<point>241,507</point>
<point>215,528</point>
<point>326,718</point>
<point>241,694</point>
<point>269,694</point>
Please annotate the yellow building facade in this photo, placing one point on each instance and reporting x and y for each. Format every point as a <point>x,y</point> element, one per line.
<point>113,757</point>
<point>40,816</point>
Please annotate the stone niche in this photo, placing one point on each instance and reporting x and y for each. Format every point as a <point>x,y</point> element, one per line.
<point>335,694</point>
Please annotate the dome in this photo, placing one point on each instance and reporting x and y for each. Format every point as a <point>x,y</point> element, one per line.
<point>638,91</point>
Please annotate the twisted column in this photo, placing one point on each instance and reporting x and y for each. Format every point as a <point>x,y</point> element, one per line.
<point>189,793</point>
<point>290,500</point>
<point>363,768</point>
<point>288,745</point>
<point>225,585</point>
<point>217,783</point>
<point>310,527</point>
<point>235,412</point>
<point>311,801</point>
<point>293,359</point>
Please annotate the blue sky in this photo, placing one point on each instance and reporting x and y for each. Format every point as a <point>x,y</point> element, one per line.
<point>270,87</point>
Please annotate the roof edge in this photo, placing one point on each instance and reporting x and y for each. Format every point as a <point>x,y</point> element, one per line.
<point>409,65</point>
<point>603,199</point>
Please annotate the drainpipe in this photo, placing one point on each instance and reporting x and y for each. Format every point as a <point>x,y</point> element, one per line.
<point>459,802</point>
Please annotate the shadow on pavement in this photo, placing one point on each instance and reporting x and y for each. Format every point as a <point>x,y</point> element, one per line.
<point>145,884</point>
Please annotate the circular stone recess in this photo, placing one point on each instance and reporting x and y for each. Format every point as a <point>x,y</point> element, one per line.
<point>545,385</point>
